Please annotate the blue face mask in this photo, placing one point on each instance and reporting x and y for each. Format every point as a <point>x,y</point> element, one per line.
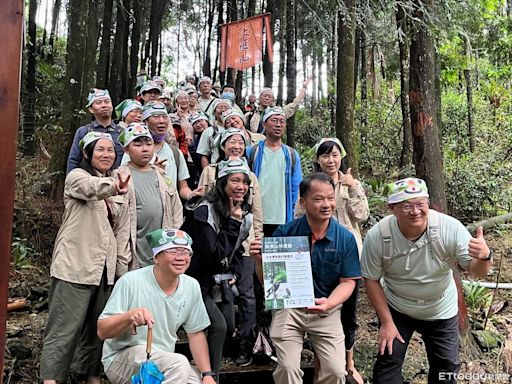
<point>228,96</point>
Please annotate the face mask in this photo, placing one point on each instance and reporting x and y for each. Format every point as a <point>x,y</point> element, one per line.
<point>157,138</point>
<point>228,96</point>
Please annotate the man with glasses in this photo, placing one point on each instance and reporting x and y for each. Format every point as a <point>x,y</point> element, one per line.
<point>163,298</point>
<point>278,169</point>
<point>407,262</point>
<point>99,104</point>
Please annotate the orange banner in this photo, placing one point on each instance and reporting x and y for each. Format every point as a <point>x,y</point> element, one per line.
<point>242,42</point>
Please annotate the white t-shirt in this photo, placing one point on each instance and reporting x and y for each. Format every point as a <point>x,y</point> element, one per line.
<point>419,275</point>
<point>139,288</point>
<point>207,145</point>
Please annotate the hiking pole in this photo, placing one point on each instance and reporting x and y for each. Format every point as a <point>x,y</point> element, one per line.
<point>149,342</point>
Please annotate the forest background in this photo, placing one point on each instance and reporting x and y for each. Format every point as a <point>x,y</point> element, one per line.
<point>411,87</point>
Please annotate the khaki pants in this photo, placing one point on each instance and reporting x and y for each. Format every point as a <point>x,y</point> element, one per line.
<point>326,335</point>
<point>174,366</point>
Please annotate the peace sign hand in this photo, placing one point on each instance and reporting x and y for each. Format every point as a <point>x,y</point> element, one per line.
<point>235,209</point>
<point>121,186</point>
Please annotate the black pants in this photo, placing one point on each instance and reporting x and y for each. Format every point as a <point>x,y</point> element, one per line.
<point>222,319</point>
<point>441,338</point>
<point>246,305</point>
<point>348,317</point>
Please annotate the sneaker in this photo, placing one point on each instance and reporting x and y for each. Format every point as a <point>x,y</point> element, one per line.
<point>244,359</point>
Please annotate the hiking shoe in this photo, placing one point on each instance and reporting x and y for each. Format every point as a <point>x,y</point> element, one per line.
<point>244,359</point>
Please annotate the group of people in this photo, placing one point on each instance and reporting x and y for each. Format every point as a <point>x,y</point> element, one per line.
<point>165,211</point>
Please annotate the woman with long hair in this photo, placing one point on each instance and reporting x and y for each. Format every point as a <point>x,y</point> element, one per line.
<point>219,223</point>
<point>351,210</point>
<point>91,250</point>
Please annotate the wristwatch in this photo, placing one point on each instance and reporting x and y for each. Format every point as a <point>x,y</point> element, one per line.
<point>489,257</point>
<point>207,373</point>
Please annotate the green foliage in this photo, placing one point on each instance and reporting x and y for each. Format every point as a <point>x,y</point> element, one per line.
<point>478,300</point>
<point>21,252</point>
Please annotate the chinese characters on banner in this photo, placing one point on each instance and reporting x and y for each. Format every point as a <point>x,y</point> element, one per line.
<point>242,42</point>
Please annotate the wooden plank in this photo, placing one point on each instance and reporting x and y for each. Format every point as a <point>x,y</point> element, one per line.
<point>11,19</point>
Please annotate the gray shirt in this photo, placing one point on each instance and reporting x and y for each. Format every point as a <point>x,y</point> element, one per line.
<point>150,211</point>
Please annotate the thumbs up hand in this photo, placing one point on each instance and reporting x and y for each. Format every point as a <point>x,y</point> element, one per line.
<point>347,179</point>
<point>478,248</point>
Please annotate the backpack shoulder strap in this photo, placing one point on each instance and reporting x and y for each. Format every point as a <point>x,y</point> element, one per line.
<point>254,150</point>
<point>291,152</point>
<point>434,237</point>
<point>387,245</point>
<point>176,154</point>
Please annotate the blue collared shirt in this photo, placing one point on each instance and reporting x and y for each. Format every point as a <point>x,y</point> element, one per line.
<point>333,257</point>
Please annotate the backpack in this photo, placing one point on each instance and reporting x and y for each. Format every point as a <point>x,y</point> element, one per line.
<point>256,148</point>
<point>433,239</point>
<point>248,119</point>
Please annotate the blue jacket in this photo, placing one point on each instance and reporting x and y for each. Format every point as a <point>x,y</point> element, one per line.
<point>75,154</point>
<point>293,177</point>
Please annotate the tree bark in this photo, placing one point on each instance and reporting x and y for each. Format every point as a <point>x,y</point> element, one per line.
<point>220,21</point>
<point>115,84</point>
<point>55,19</point>
<point>469,96</point>
<point>91,47</point>
<point>135,44</point>
<point>422,94</point>
<point>124,58</point>
<point>291,68</point>
<point>331,80</point>
<point>282,56</point>
<point>268,70</point>
<point>207,60</point>
<point>74,95</point>
<point>232,16</point>
<point>29,144</point>
<point>345,96</point>
<point>403,46</point>
<point>106,33</point>
<point>155,26</point>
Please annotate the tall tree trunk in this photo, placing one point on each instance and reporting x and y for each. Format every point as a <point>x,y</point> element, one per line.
<point>106,33</point>
<point>45,27</point>
<point>55,20</point>
<point>345,82</point>
<point>74,94</point>
<point>282,56</point>
<point>363,58</point>
<point>135,44</point>
<point>427,153</point>
<point>268,70</point>
<point>232,16</point>
<point>291,68</point>
<point>469,96</point>
<point>331,80</point>
<point>91,47</point>
<point>124,58</point>
<point>220,21</point>
<point>115,85</point>
<point>29,105</point>
<point>155,23</point>
<point>403,46</point>
<point>207,60</point>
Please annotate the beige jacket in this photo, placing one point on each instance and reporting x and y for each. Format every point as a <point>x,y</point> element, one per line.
<point>86,242</point>
<point>289,110</point>
<point>173,210</point>
<point>351,208</point>
<point>208,180</point>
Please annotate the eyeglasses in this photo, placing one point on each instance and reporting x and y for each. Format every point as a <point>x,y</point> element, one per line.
<point>177,253</point>
<point>407,207</point>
